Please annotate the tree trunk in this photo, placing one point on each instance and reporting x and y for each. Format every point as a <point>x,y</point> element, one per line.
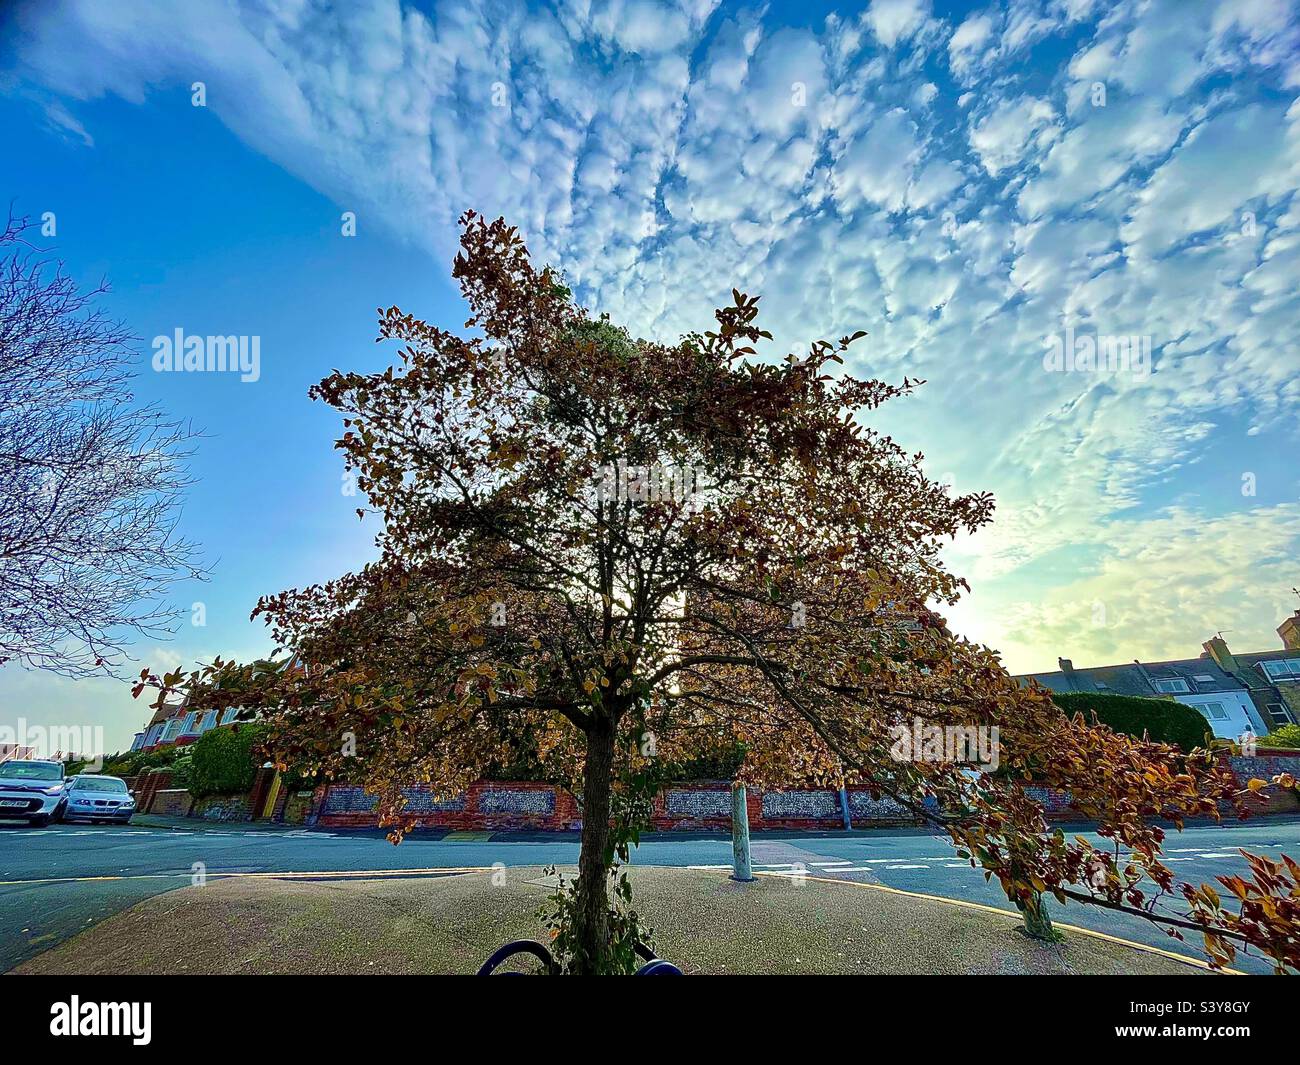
<point>593,865</point>
<point>1038,922</point>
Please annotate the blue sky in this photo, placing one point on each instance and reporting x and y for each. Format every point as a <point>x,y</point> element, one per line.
<point>962,181</point>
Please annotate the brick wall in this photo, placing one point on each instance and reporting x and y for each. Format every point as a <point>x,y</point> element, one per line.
<point>1265,766</point>
<point>485,805</point>
<point>688,807</point>
<point>148,785</point>
<point>223,808</point>
<point>698,806</point>
<point>171,802</point>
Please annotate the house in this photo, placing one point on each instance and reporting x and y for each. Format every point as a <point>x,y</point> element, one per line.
<point>1271,677</point>
<point>174,725</point>
<point>1222,699</point>
<point>1260,689</point>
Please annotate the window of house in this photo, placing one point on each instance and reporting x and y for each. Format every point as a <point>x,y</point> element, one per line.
<point>1203,678</point>
<point>209,721</point>
<point>1279,715</point>
<point>1172,686</point>
<point>1214,711</point>
<point>1283,668</point>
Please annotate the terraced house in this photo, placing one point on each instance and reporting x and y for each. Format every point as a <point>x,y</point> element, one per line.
<point>1271,677</point>
<point>176,725</point>
<point>1259,690</point>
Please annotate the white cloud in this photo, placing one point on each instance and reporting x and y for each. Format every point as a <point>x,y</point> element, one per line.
<point>966,44</point>
<point>1002,137</point>
<point>1156,589</point>
<point>1226,161</point>
<point>877,165</point>
<point>896,20</point>
<point>663,153</point>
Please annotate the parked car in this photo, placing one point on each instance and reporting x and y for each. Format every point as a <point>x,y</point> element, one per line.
<point>91,797</point>
<point>32,790</point>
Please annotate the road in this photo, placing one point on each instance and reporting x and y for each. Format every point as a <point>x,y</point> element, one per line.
<point>56,881</point>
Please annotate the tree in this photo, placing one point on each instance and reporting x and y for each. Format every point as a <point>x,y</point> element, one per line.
<point>90,485</point>
<point>615,552</point>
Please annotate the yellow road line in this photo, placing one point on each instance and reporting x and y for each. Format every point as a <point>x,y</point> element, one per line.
<point>1011,913</point>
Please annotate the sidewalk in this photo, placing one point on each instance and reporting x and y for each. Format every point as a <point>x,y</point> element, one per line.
<point>200,824</point>
<point>450,923</point>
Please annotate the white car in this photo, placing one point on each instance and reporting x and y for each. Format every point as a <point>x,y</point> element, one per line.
<point>96,798</point>
<point>31,790</point>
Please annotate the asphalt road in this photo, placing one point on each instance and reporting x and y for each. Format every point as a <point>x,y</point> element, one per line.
<point>56,881</point>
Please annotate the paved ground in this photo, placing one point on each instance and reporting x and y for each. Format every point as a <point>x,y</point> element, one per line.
<point>60,880</point>
<point>451,922</point>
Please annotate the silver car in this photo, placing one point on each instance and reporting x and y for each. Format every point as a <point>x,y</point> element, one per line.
<point>31,790</point>
<point>96,798</point>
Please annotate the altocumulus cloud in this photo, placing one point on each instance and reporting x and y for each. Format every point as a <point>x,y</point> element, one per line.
<point>962,185</point>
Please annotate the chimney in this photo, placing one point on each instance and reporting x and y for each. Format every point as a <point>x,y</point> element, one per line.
<point>1217,648</point>
<point>1066,665</point>
<point>1289,630</point>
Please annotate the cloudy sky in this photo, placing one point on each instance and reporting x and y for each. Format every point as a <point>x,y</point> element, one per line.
<point>965,182</point>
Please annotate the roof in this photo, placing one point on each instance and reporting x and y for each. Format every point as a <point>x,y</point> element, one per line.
<point>1251,660</point>
<point>165,713</point>
<point>1251,672</point>
<point>1201,675</point>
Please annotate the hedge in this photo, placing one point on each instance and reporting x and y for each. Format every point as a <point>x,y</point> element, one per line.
<point>1164,720</point>
<point>224,760</point>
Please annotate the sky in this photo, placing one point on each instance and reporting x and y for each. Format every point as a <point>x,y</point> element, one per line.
<point>979,186</point>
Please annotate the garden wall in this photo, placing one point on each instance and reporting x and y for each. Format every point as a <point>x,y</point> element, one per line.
<point>486,806</point>
<point>699,806</point>
<point>1265,766</point>
<point>223,808</point>
<point>171,802</point>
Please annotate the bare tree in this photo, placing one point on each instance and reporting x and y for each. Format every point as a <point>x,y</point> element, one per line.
<point>90,484</point>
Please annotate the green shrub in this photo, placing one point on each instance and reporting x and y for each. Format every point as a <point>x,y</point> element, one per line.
<point>1286,736</point>
<point>133,763</point>
<point>225,760</point>
<point>182,768</point>
<point>1164,720</point>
